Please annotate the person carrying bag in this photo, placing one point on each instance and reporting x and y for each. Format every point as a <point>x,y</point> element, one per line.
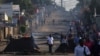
<point>85,52</point>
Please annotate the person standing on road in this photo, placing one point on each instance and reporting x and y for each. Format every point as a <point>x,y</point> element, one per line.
<point>50,41</point>
<point>81,49</point>
<point>64,44</point>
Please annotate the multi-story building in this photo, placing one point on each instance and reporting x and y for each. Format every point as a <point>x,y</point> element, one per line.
<point>10,25</point>
<point>3,29</point>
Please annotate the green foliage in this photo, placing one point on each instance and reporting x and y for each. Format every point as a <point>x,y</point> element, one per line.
<point>47,2</point>
<point>41,2</point>
<point>22,29</point>
<point>24,4</point>
<point>9,18</point>
<point>2,1</point>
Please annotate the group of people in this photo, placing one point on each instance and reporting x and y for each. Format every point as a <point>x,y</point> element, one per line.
<point>85,43</point>
<point>61,48</point>
<point>82,46</point>
<point>88,41</point>
<point>65,43</point>
<point>81,49</point>
<point>87,47</point>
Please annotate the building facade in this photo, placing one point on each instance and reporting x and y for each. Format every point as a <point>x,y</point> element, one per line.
<point>16,17</point>
<point>12,12</point>
<point>4,29</point>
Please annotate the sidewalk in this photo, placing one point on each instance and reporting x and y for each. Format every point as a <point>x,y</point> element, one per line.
<point>2,46</point>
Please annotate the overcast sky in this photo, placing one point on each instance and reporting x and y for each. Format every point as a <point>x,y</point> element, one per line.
<point>67,4</point>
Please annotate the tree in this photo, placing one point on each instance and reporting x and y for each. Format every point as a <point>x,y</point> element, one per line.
<point>42,2</point>
<point>22,29</point>
<point>2,1</point>
<point>95,4</point>
<point>24,4</point>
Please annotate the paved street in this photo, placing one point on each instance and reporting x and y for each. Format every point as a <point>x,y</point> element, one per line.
<point>59,18</point>
<point>2,46</point>
<point>57,21</point>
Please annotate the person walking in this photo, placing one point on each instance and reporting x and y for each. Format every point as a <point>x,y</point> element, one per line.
<point>81,49</point>
<point>64,44</point>
<point>50,41</point>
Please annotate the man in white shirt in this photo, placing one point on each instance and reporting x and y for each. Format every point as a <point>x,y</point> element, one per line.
<point>50,40</point>
<point>81,50</point>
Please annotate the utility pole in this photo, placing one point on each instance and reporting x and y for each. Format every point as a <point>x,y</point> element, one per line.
<point>61,3</point>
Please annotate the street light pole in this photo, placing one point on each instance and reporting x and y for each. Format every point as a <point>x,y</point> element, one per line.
<point>61,3</point>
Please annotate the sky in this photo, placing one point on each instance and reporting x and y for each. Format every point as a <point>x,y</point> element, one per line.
<point>67,4</point>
